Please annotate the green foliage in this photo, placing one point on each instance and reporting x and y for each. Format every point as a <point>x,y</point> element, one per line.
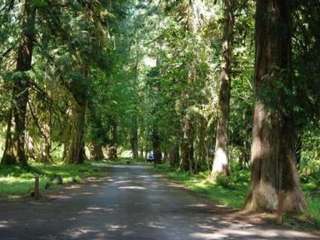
<point>313,201</point>
<point>224,181</point>
<point>40,3</point>
<point>310,154</point>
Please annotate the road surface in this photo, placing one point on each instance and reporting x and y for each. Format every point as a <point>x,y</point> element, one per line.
<point>130,203</point>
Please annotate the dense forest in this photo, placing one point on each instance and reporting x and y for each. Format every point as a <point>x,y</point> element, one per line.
<point>218,87</point>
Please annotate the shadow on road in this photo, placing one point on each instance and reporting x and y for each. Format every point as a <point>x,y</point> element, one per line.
<point>130,203</point>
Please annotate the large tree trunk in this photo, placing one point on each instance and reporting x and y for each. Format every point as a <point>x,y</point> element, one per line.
<point>14,151</point>
<point>221,162</point>
<point>274,172</point>
<point>97,133</point>
<point>45,131</point>
<point>75,150</point>
<point>79,90</point>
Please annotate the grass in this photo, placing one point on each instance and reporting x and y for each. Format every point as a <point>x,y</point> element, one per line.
<point>232,192</point>
<point>313,210</point>
<point>228,194</point>
<point>17,181</point>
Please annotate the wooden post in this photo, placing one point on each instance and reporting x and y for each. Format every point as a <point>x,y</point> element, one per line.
<point>281,197</point>
<point>36,188</point>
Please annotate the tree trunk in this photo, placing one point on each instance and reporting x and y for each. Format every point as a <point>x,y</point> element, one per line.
<point>75,151</point>
<point>202,153</point>
<point>187,158</point>
<point>14,151</point>
<point>113,150</point>
<point>134,140</point>
<point>96,153</point>
<point>141,155</point>
<point>79,89</point>
<point>114,134</point>
<point>184,159</point>
<point>274,171</point>
<point>221,162</point>
<point>244,161</point>
<point>298,149</point>
<point>174,156</point>
<point>156,146</point>
<point>46,145</point>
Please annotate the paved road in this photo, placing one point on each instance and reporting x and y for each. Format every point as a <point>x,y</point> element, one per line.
<point>131,203</point>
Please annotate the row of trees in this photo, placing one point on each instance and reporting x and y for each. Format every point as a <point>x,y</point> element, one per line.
<point>200,48</point>
<point>55,55</point>
<point>77,76</point>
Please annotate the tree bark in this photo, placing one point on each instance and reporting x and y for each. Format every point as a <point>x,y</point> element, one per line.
<point>75,150</point>
<point>156,146</point>
<point>141,152</point>
<point>187,153</point>
<point>174,156</point>
<point>113,148</point>
<point>96,153</point>
<point>46,145</point>
<point>14,151</point>
<point>221,161</point>
<point>274,171</point>
<point>134,140</point>
<point>96,131</point>
<point>79,89</point>
<point>45,131</point>
<point>202,148</point>
<point>114,134</point>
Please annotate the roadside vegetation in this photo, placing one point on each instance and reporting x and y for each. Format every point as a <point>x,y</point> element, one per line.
<point>232,191</point>
<point>18,181</point>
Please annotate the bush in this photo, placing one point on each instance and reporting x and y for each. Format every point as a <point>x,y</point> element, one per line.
<point>225,182</point>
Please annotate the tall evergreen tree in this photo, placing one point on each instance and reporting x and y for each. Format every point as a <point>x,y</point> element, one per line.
<point>274,177</point>
<point>221,162</point>
<point>14,151</point>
